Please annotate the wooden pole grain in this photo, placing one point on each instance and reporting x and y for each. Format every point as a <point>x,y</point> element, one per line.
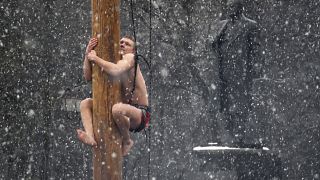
<point>107,157</point>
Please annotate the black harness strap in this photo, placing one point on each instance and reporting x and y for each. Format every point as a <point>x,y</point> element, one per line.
<point>135,73</point>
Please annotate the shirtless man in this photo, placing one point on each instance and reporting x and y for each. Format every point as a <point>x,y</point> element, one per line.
<point>133,113</point>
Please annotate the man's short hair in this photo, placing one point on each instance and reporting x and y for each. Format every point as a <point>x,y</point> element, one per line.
<point>131,38</point>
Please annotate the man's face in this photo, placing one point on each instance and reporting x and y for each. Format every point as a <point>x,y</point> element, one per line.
<point>126,46</point>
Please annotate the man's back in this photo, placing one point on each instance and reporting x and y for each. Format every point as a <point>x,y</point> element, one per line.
<point>139,95</point>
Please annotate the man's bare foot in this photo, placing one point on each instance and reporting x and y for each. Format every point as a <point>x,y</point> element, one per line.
<point>126,146</point>
<point>85,138</point>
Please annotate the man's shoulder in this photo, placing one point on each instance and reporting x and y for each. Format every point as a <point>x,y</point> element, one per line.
<point>128,57</point>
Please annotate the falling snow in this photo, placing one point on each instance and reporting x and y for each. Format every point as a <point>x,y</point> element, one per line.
<point>42,46</point>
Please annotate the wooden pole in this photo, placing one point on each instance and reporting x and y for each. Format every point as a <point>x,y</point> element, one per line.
<point>107,160</point>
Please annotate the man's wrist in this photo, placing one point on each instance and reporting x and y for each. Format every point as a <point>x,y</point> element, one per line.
<point>94,59</point>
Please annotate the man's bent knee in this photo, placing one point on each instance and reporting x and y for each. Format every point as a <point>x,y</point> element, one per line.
<point>117,109</point>
<point>86,103</point>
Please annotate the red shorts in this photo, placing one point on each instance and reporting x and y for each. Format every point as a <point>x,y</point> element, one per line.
<point>145,118</point>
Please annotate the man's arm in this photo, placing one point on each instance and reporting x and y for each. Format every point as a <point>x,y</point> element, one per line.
<point>111,68</point>
<point>87,68</point>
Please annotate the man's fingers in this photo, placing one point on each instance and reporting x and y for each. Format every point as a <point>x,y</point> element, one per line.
<point>94,40</point>
<point>92,44</point>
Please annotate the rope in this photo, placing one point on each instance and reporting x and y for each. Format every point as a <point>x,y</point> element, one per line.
<point>150,91</point>
<point>149,64</point>
<point>136,47</point>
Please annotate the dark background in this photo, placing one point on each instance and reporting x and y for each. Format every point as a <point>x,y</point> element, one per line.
<point>41,49</point>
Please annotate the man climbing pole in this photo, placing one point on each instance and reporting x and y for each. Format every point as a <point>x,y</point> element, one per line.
<point>133,113</point>
<point>119,100</point>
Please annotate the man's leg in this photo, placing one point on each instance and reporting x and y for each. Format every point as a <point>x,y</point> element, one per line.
<point>126,117</point>
<point>87,135</point>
